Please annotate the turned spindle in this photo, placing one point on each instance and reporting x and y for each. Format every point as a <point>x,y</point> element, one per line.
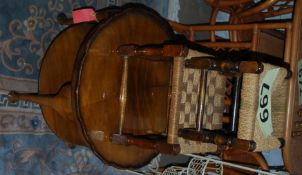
<point>60,102</point>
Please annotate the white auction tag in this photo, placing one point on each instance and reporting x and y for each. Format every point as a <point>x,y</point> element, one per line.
<point>264,113</point>
<point>300,81</point>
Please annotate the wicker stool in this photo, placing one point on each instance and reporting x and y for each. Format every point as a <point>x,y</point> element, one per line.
<point>249,126</point>
<point>196,100</point>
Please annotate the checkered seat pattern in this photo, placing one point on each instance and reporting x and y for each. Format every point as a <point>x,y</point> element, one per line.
<point>185,103</point>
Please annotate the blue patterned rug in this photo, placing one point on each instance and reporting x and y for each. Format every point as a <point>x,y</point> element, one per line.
<point>27,146</point>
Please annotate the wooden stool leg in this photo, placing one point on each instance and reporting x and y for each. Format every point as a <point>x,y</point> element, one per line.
<point>60,102</point>
<point>251,158</point>
<point>217,138</point>
<point>224,65</point>
<point>157,144</point>
<point>151,52</point>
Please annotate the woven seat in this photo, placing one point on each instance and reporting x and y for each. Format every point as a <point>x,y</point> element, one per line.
<point>249,127</point>
<point>196,100</point>
<point>184,106</point>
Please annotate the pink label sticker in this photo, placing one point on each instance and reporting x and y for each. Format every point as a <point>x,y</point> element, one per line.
<point>83,15</point>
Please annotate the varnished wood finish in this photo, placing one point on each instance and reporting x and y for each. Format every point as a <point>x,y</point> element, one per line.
<point>217,138</point>
<point>292,152</point>
<point>272,43</point>
<point>226,3</point>
<point>256,43</point>
<point>225,65</point>
<point>156,143</point>
<point>98,79</point>
<point>151,52</point>
<point>291,52</point>
<point>60,102</point>
<point>56,71</point>
<point>242,157</point>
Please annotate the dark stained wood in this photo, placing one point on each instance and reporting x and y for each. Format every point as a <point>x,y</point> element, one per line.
<point>227,66</point>
<point>56,71</point>
<point>153,51</point>
<point>60,102</point>
<point>292,152</point>
<point>243,157</point>
<point>271,42</point>
<point>217,138</point>
<point>98,79</point>
<point>157,143</point>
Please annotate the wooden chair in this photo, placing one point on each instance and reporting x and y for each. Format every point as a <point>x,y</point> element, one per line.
<point>243,36</point>
<point>286,47</point>
<point>189,129</point>
<point>247,11</point>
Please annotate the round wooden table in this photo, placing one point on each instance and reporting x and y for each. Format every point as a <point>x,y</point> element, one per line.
<point>97,82</point>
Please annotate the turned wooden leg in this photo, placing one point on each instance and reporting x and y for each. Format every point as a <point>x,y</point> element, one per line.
<point>217,138</point>
<point>227,66</point>
<point>157,144</point>
<point>60,102</point>
<point>251,158</point>
<point>153,51</point>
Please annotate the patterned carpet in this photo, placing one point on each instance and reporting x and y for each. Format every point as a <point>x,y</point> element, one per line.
<point>27,146</point>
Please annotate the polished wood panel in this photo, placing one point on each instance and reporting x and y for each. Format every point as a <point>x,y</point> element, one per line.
<point>97,86</point>
<point>56,71</point>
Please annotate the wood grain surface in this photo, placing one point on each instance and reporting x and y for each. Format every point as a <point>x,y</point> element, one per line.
<point>97,84</point>
<point>55,76</point>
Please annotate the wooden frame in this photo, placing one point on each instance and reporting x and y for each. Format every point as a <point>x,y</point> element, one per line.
<point>292,54</point>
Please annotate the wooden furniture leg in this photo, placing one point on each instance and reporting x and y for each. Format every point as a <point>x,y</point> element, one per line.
<point>60,102</point>
<point>217,138</point>
<point>157,144</point>
<point>165,50</point>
